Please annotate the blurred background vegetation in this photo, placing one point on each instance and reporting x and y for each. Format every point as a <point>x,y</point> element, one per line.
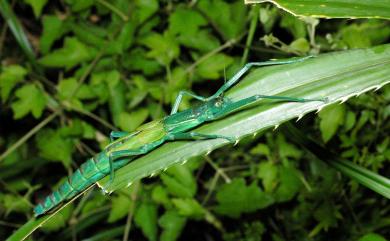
<point>79,69</point>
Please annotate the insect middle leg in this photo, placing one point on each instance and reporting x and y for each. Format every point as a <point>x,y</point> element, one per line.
<point>180,97</point>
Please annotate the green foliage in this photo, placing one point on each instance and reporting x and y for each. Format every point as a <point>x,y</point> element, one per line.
<point>236,197</point>
<point>105,65</point>
<point>37,6</point>
<point>54,146</point>
<point>9,77</point>
<point>30,99</point>
<point>331,118</point>
<point>146,218</point>
<point>73,53</point>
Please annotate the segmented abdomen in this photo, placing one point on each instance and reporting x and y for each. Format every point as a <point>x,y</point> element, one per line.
<point>89,172</point>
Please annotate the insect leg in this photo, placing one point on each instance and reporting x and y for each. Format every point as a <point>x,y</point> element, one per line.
<point>122,154</point>
<point>247,66</point>
<point>180,97</point>
<point>238,104</point>
<point>194,135</point>
<point>117,134</point>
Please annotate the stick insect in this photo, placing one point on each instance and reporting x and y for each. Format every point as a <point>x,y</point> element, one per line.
<point>125,147</point>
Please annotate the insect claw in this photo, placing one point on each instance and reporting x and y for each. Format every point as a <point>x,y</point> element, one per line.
<point>208,152</point>
<point>276,127</point>
<point>165,169</point>
<point>184,162</point>
<point>129,184</point>
<point>152,174</point>
<point>254,134</point>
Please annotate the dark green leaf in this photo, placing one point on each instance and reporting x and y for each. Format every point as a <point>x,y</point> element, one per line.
<point>53,29</point>
<point>9,77</point>
<point>236,198</point>
<point>179,181</point>
<point>73,53</point>
<point>120,208</point>
<point>146,218</point>
<point>214,66</point>
<point>172,224</point>
<point>331,118</point>
<point>30,99</point>
<point>37,6</point>
<point>55,147</point>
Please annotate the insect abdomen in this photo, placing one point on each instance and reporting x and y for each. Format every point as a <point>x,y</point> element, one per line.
<point>89,172</point>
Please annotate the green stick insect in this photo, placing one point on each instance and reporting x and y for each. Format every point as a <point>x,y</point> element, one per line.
<point>125,147</point>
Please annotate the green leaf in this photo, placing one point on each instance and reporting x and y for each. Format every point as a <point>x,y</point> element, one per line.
<point>372,237</point>
<point>137,61</point>
<point>287,150</point>
<point>236,198</point>
<point>130,121</point>
<point>189,207</point>
<point>331,118</point>
<point>58,221</point>
<point>212,67</point>
<point>289,184</point>
<point>185,21</point>
<point>202,40</point>
<point>53,29</point>
<point>338,76</point>
<point>146,218</point>
<point>9,77</point>
<point>54,147</point>
<point>172,224</point>
<point>120,208</point>
<point>30,99</point>
<point>268,173</point>
<point>14,203</point>
<point>293,25</point>
<point>145,9</point>
<point>17,30</point>
<point>37,6</point>
<point>365,34</point>
<point>163,48</point>
<point>73,53</point>
<point>179,181</point>
<point>334,8</point>
<point>77,5</point>
<point>160,196</point>
<point>327,215</point>
<point>350,121</point>
<point>229,19</point>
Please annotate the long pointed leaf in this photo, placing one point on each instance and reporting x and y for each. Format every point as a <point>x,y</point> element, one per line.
<point>17,30</point>
<point>337,76</point>
<point>333,8</point>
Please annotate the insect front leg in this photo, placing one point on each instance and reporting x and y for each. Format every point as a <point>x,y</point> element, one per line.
<point>247,66</point>
<point>180,97</point>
